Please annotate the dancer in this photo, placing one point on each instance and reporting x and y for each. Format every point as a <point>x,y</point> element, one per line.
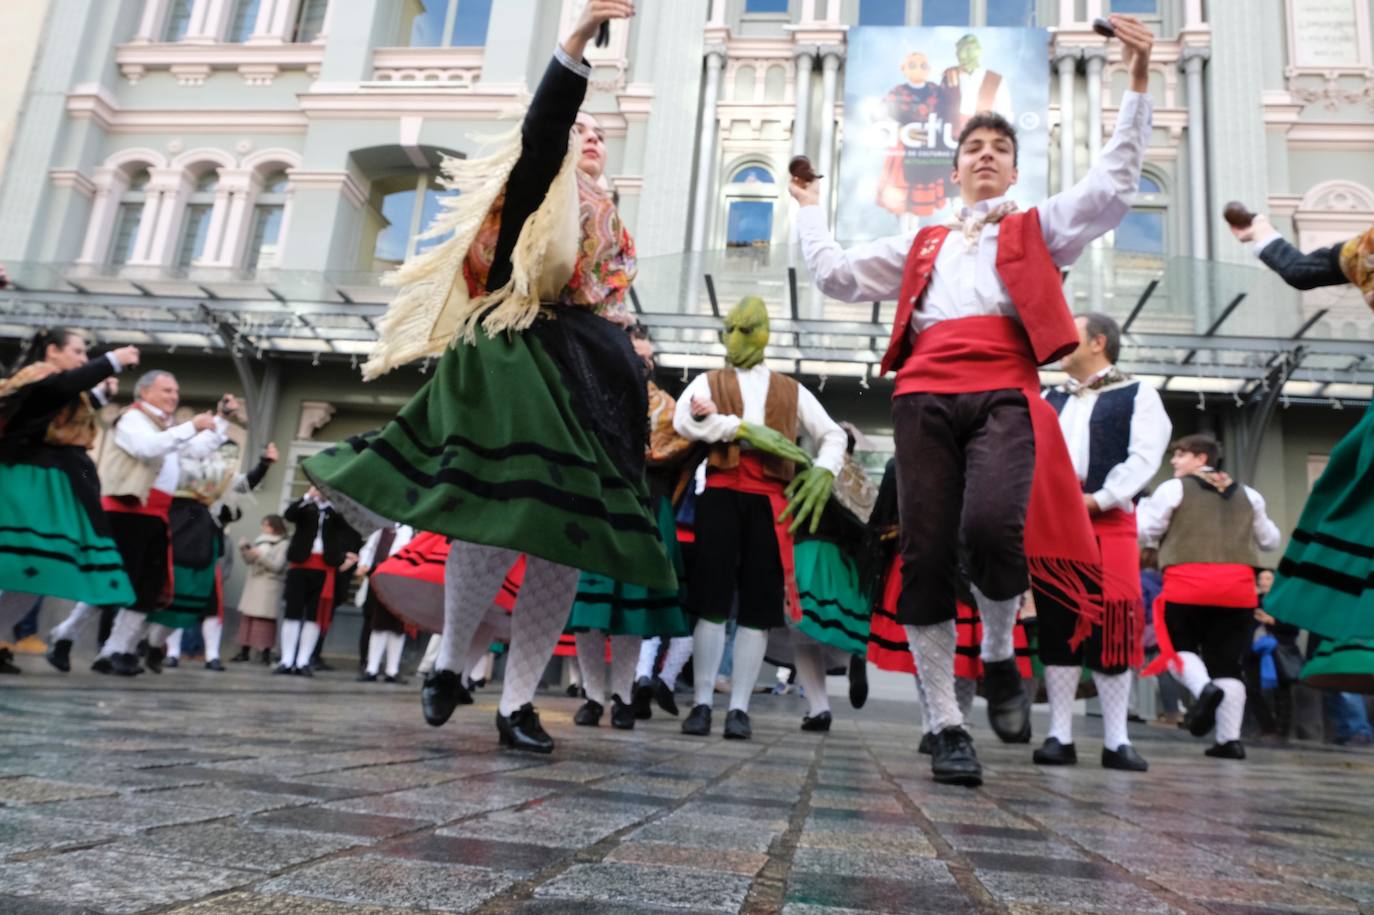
<point>322,547</point>
<point>1207,539</point>
<point>1116,430</point>
<point>750,417</point>
<point>529,435</point>
<point>265,557</point>
<point>1325,582</point>
<point>388,631</point>
<point>55,539</point>
<point>981,459</point>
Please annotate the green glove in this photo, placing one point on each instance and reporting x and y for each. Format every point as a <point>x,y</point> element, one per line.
<point>773,442</point>
<point>807,495</point>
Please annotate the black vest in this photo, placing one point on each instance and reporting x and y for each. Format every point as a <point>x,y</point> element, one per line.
<point>1109,430</point>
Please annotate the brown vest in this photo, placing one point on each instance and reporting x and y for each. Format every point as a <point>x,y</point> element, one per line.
<point>779,414</point>
<point>1209,527</point>
<point>122,474</point>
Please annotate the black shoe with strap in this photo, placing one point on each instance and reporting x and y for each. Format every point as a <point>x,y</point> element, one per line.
<point>442,692</point>
<point>1231,749</point>
<point>663,695</point>
<point>214,665</point>
<point>1125,759</point>
<point>819,722</point>
<point>1009,705</point>
<point>521,731</point>
<point>737,725</point>
<point>589,715</point>
<point>366,677</point>
<point>622,715</point>
<point>858,681</point>
<point>154,658</point>
<point>1054,753</point>
<point>1202,717</point>
<point>953,760</point>
<point>642,699</point>
<point>698,722</point>
<point>244,654</point>
<point>60,655</point>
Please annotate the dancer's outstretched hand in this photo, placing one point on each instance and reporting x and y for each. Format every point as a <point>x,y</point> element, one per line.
<point>594,13</point>
<point>1136,43</point>
<point>806,193</point>
<point>806,497</point>
<point>1259,227</point>
<point>773,442</point>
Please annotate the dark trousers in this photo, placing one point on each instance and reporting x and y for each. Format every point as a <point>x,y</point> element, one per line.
<point>736,553</point>
<point>302,594</point>
<point>1219,635</point>
<point>964,469</point>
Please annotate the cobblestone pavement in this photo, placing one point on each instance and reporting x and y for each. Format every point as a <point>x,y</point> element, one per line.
<point>246,793</point>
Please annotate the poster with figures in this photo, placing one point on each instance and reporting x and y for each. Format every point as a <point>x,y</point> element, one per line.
<point>908,92</point>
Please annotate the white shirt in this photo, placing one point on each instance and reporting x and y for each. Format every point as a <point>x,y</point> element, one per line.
<point>815,423</point>
<point>1150,432</point>
<point>367,556</point>
<point>1156,511</point>
<point>971,90</point>
<point>965,282</point>
<point>141,438</point>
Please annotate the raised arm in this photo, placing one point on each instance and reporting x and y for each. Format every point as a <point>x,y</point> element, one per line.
<point>714,428</point>
<point>1321,267</point>
<point>869,272</point>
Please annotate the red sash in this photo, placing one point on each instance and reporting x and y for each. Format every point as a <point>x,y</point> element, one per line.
<point>748,476</point>
<point>1211,584</point>
<point>324,610</point>
<point>1123,616</point>
<point>970,355</point>
<point>159,505</point>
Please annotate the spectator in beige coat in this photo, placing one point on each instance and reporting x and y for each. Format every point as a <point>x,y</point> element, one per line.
<point>265,558</point>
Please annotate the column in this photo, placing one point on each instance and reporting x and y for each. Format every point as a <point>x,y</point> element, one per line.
<point>283,18</point>
<point>1191,62</point>
<point>1192,14</point>
<point>149,25</point>
<point>831,56</point>
<point>1067,64</point>
<point>207,21</point>
<point>109,187</point>
<point>1236,136</point>
<point>1094,59</point>
<point>239,183</point>
<point>172,186</point>
<point>214,236</point>
<point>706,147</point>
<point>801,121</point>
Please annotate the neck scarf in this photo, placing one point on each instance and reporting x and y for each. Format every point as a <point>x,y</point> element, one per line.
<point>972,224</point>
<point>1112,375</point>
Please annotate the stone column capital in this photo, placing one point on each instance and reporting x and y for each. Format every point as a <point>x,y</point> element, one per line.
<point>831,52</point>
<point>805,51</point>
<point>1095,56</point>
<point>714,52</point>
<point>1194,56</point>
<point>1067,57</point>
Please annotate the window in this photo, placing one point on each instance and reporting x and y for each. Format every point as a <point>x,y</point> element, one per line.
<point>245,20</point>
<point>128,219</point>
<point>1011,13</point>
<point>268,212</point>
<point>1148,7</point>
<point>404,220</point>
<point>178,20</point>
<point>750,224</point>
<point>310,20</point>
<point>1143,229</point>
<point>765,6</point>
<point>882,12</point>
<point>196,227</point>
<point>945,12</point>
<point>450,23</point>
<point>752,174</point>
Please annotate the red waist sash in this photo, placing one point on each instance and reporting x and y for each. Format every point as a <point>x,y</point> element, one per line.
<point>159,504</point>
<point>324,610</point>
<point>747,476</point>
<point>1210,584</point>
<point>1123,616</point>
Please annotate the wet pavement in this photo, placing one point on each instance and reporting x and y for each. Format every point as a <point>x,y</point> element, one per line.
<point>246,793</point>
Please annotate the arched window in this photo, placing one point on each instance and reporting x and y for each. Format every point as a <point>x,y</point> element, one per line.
<point>196,224</point>
<point>752,174</point>
<point>409,203</point>
<point>749,198</point>
<point>245,20</point>
<point>1143,231</point>
<point>310,20</point>
<point>128,219</point>
<point>450,23</point>
<point>269,211</point>
<point>178,20</point>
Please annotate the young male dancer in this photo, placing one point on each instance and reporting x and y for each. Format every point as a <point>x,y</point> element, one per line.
<point>977,310</point>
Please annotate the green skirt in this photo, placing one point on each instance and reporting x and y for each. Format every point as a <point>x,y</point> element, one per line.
<point>834,609</point>
<point>618,608</point>
<point>1346,666</point>
<point>494,449</point>
<point>1325,582</point>
<point>49,545</point>
<point>194,595</point>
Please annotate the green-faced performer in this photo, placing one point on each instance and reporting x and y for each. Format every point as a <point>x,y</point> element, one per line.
<point>760,488</point>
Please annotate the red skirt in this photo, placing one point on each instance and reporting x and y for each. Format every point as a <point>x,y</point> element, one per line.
<point>410,583</point>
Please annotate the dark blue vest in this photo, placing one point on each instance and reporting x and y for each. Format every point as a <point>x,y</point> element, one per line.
<point>1109,430</point>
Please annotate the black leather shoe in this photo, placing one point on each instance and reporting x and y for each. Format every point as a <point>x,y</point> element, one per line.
<point>737,725</point>
<point>858,681</point>
<point>589,715</point>
<point>214,665</point>
<point>366,677</point>
<point>283,669</point>
<point>1232,749</point>
<point>924,748</point>
<point>1008,703</point>
<point>819,723</point>
<point>153,660</point>
<point>1202,717</point>
<point>397,679</point>
<point>442,692</point>
<point>266,658</point>
<point>952,759</point>
<point>306,671</point>
<point>243,655</point>
<point>1054,753</point>
<point>642,699</point>
<point>521,731</point>
<point>698,722</point>
<point>60,655</point>
<point>663,695</point>
<point>102,665</point>
<point>125,665</point>
<point>622,715</point>
<point>167,662</point>
<point>322,664</point>
<point>573,690</point>
<point>1124,758</point>
<point>7,665</point>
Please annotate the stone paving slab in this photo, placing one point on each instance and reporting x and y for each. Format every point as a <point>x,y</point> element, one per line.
<point>243,793</point>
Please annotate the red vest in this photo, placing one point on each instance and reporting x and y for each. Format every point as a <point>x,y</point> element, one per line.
<point>1025,268</point>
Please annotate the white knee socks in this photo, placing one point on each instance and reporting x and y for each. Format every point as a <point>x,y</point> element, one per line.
<point>750,645</point>
<point>591,658</point>
<point>927,720</point>
<point>310,636</point>
<point>541,612</point>
<point>172,641</point>
<point>1231,712</point>
<point>708,648</point>
<point>810,661</point>
<point>679,651</point>
<point>933,649</point>
<point>624,660</point>
<point>210,630</point>
<point>1114,694</point>
<point>159,635</point>
<point>648,654</point>
<point>376,649</point>
<point>1061,685</point>
<point>290,640</point>
<point>475,661</point>
<point>965,691</point>
<point>70,627</point>
<point>999,619</point>
<point>1194,675</point>
<point>395,641</point>
<point>431,654</point>
<point>473,575</point>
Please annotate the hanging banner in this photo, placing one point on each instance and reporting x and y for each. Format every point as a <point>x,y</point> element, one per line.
<point>907,94</point>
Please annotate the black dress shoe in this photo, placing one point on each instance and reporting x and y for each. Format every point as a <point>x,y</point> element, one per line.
<point>7,665</point>
<point>366,677</point>
<point>1124,758</point>
<point>283,669</point>
<point>1202,717</point>
<point>1232,749</point>
<point>642,699</point>
<point>168,662</point>
<point>243,655</point>
<point>306,671</point>
<point>663,695</point>
<point>924,748</point>
<point>60,655</point>
<point>858,681</point>
<point>1009,705</point>
<point>622,715</point>
<point>125,665</point>
<point>266,658</point>
<point>820,722</point>
<point>442,692</point>
<point>573,690</point>
<point>322,664</point>
<point>398,679</point>
<point>698,723</point>
<point>589,715</point>
<point>214,665</point>
<point>952,759</point>
<point>521,731</point>
<point>737,725</point>
<point>1054,753</point>
<point>102,665</point>
<point>153,660</point>
<point>478,683</point>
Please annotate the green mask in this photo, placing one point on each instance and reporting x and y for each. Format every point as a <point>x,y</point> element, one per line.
<point>746,333</point>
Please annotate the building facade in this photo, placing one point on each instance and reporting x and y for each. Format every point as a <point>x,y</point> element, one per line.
<point>223,182</point>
